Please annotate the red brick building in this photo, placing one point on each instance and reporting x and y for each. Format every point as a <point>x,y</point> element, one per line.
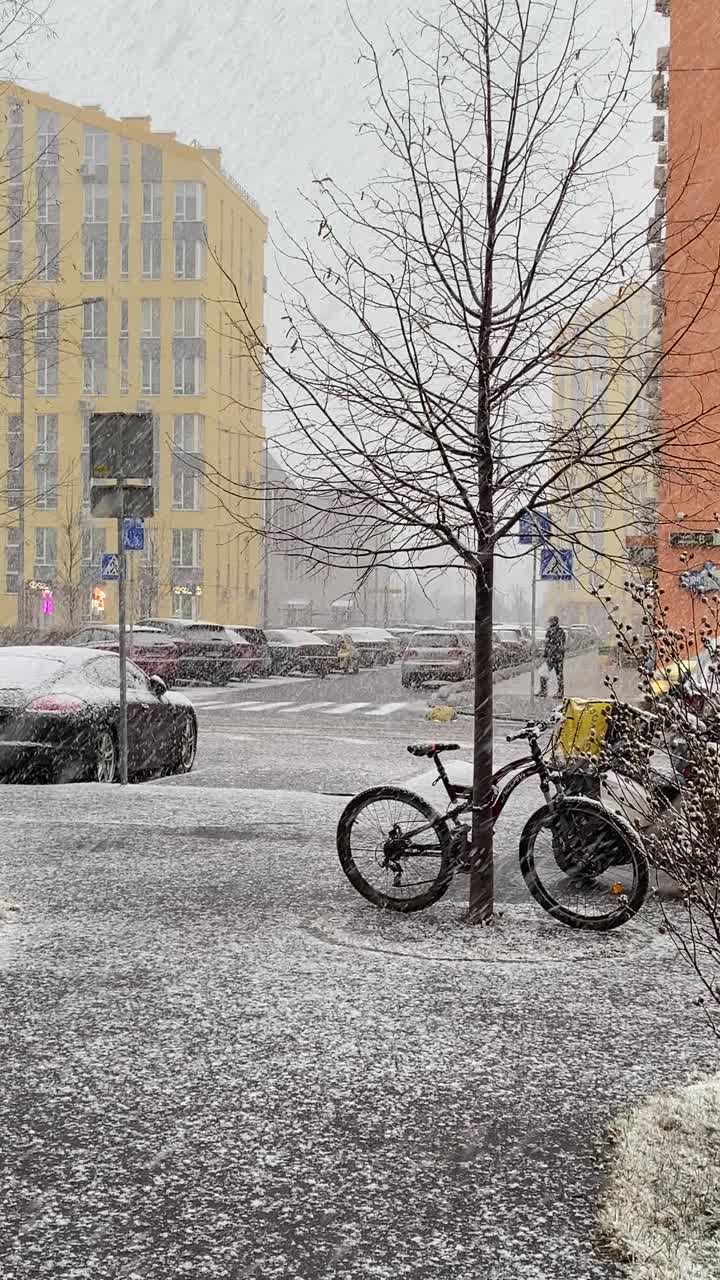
<point>686,91</point>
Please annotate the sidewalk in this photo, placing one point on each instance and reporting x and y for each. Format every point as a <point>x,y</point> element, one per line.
<point>218,1061</point>
<point>585,677</point>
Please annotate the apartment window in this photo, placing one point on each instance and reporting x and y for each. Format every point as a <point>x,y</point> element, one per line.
<point>123,318</point>
<point>94,260</point>
<point>95,202</point>
<point>188,375</point>
<point>187,548</point>
<point>95,319</point>
<point>15,234</point>
<point>183,606</point>
<point>12,561</point>
<point>151,259</point>
<point>16,461</point>
<point>48,149</point>
<point>92,546</point>
<point>46,550</point>
<point>46,462</point>
<point>46,262</point>
<point>189,259</point>
<point>152,201</point>
<point>151,373</point>
<point>185,487</point>
<point>189,201</point>
<point>43,311</point>
<point>48,207</point>
<point>189,317</point>
<point>124,371</point>
<point>188,431</point>
<point>96,147</point>
<point>124,201</point>
<point>42,374</point>
<point>124,258</point>
<point>94,376</point>
<point>151,318</point>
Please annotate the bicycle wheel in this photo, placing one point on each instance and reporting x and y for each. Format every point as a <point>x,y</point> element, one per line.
<point>585,866</point>
<point>395,849</point>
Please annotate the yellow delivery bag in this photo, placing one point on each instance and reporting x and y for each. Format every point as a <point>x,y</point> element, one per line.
<point>583,728</point>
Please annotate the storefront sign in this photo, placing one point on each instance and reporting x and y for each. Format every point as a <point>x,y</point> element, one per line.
<point>694,538</point>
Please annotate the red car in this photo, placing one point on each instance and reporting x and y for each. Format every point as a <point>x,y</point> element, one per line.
<point>153,651</point>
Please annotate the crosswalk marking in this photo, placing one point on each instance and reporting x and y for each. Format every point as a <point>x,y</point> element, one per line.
<point>386,709</point>
<point>306,706</point>
<point>345,708</point>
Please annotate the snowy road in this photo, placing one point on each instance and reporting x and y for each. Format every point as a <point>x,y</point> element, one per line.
<point>219,1062</point>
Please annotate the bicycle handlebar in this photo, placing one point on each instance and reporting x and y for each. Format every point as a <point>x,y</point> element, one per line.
<point>534,728</point>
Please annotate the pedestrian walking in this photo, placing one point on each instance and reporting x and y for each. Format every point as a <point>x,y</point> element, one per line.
<point>554,658</point>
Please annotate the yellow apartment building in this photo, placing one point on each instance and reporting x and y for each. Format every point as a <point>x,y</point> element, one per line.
<point>611,526</point>
<point>115,298</point>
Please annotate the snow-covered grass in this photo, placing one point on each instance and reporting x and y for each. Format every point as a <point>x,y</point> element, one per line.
<point>662,1209</point>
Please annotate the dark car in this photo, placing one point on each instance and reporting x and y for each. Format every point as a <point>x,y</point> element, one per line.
<point>376,646</point>
<point>59,718</point>
<point>510,646</point>
<point>152,650</point>
<point>295,650</point>
<point>208,652</point>
<point>260,661</point>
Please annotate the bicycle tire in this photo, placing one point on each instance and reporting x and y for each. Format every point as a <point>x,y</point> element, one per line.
<point>348,818</point>
<point>619,829</point>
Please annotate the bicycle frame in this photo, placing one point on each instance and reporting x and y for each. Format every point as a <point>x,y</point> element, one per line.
<point>517,771</point>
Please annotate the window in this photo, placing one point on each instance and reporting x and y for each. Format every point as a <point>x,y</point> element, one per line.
<point>189,317</point>
<point>124,201</point>
<point>124,257</point>
<point>42,375</point>
<point>124,371</point>
<point>43,310</point>
<point>47,138</point>
<point>46,548</point>
<point>189,259</point>
<point>95,202</point>
<point>152,201</point>
<point>183,606</point>
<point>151,318</point>
<point>95,319</point>
<point>187,548</point>
<point>12,561</point>
<point>94,376</point>
<point>185,487</point>
<point>188,375</point>
<point>48,208</point>
<point>96,147</point>
<point>46,462</point>
<point>189,201</point>
<point>47,263</point>
<point>151,259</point>
<point>92,546</point>
<point>104,671</point>
<point>150,379</point>
<point>188,432</point>
<point>94,260</point>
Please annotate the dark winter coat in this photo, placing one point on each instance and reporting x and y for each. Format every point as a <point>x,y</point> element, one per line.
<point>555,647</point>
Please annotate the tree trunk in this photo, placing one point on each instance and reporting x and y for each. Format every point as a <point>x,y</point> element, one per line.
<point>481,903</point>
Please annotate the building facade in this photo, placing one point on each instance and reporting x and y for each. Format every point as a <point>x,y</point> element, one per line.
<point>611,525</point>
<point>115,298</point>
<point>311,575</point>
<point>685,248</point>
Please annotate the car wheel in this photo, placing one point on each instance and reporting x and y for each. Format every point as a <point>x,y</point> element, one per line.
<point>105,761</point>
<point>187,746</point>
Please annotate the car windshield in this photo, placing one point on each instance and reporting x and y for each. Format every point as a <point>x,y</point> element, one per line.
<point>436,640</point>
<point>20,670</point>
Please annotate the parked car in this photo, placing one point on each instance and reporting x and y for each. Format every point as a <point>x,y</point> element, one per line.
<point>347,656</point>
<point>403,637</point>
<point>208,652</point>
<point>294,650</point>
<point>152,650</point>
<point>260,650</point>
<point>447,655</point>
<point>580,635</point>
<point>375,645</point>
<point>510,646</point>
<point>59,717</point>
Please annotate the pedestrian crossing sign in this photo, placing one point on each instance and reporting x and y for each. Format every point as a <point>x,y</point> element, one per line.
<point>110,566</point>
<point>556,565</point>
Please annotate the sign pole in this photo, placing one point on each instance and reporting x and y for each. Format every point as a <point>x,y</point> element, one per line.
<point>122,564</point>
<point>533,622</point>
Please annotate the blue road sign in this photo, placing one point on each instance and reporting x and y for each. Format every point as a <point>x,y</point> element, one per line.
<point>556,565</point>
<point>133,535</point>
<point>534,526</point>
<point>110,566</point>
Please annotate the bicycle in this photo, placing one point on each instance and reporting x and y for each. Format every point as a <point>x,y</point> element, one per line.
<point>570,849</point>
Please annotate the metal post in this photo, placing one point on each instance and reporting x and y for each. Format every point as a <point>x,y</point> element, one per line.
<point>22,594</point>
<point>265,584</point>
<point>123,744</point>
<point>533,619</point>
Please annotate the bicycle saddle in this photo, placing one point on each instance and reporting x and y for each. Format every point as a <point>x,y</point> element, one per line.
<point>433,748</point>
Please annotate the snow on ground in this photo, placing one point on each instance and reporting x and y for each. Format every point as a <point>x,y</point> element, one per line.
<point>218,1061</point>
<point>662,1209</point>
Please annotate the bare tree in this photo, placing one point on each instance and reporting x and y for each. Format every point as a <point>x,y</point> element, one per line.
<point>427,320</point>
